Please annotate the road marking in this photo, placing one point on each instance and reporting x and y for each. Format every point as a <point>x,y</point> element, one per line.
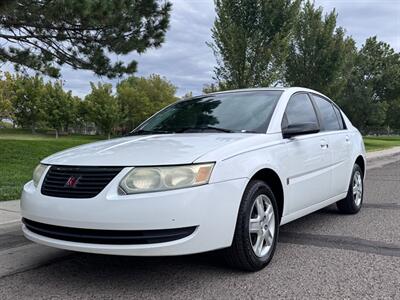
<point>340,242</point>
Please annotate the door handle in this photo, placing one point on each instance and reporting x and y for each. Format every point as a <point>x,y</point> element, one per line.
<point>347,139</point>
<point>324,144</point>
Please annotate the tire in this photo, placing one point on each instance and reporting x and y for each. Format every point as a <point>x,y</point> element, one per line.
<point>354,199</point>
<point>247,252</point>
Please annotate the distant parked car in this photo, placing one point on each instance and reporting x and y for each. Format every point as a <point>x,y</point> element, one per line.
<point>218,171</point>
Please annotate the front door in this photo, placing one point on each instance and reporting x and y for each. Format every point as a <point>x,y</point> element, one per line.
<point>308,164</point>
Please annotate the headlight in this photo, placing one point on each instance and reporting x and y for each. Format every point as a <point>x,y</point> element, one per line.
<point>152,179</point>
<point>37,173</point>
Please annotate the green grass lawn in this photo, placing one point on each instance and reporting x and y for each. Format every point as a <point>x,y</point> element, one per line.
<point>20,152</point>
<point>374,143</point>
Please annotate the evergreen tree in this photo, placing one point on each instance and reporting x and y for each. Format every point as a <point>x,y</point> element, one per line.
<point>43,35</point>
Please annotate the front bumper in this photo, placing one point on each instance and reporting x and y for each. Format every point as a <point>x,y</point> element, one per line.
<point>211,209</point>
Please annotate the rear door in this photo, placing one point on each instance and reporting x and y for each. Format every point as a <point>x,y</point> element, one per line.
<point>339,142</point>
<point>308,162</point>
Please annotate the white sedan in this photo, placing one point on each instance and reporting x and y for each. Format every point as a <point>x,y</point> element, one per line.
<point>218,171</point>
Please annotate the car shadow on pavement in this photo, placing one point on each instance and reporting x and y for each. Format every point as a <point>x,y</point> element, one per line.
<point>94,265</point>
<point>117,266</point>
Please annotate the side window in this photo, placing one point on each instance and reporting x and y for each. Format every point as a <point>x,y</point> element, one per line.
<point>340,118</point>
<point>299,110</point>
<point>329,118</point>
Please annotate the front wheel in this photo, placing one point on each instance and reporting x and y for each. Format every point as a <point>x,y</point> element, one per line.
<point>353,201</point>
<point>256,230</point>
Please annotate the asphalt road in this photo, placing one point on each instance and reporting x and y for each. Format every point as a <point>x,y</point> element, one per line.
<point>324,255</point>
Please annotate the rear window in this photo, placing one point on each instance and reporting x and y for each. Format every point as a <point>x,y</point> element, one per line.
<point>340,118</point>
<point>329,117</point>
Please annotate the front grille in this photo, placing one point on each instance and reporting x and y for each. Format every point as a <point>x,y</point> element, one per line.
<point>110,237</point>
<point>77,182</point>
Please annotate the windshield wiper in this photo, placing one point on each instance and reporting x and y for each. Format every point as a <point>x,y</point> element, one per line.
<point>203,128</point>
<point>220,129</point>
<point>188,129</point>
<point>143,132</point>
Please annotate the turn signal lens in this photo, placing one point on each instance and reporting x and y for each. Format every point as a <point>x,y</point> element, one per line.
<point>203,174</point>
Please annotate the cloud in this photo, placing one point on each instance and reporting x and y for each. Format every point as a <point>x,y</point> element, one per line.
<point>188,62</point>
<point>184,58</point>
<point>366,18</point>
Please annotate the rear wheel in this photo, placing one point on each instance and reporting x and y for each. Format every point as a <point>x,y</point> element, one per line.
<point>353,201</point>
<point>256,230</point>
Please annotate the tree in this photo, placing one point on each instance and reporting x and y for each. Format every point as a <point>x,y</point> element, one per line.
<point>141,97</point>
<point>5,96</point>
<point>374,86</point>
<point>250,39</point>
<point>82,119</point>
<point>379,65</point>
<point>320,56</point>
<point>393,115</point>
<point>188,95</point>
<point>59,107</point>
<point>27,100</point>
<point>102,107</point>
<point>212,88</point>
<point>43,35</point>
<point>359,106</point>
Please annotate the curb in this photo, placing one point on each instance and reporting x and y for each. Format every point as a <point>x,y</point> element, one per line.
<point>383,153</point>
<point>378,159</point>
<point>9,212</point>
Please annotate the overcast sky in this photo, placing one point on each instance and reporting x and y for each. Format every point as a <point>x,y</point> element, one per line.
<point>188,62</point>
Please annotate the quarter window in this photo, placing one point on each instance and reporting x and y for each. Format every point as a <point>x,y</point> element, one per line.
<point>329,118</point>
<point>299,110</point>
<point>340,118</point>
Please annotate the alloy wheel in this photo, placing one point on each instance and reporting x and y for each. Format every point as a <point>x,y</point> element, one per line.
<point>357,188</point>
<point>262,225</point>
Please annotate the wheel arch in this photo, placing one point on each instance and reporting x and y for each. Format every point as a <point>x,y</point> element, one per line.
<point>361,162</point>
<point>271,178</point>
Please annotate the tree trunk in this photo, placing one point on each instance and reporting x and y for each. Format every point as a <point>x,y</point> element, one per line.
<point>33,128</point>
<point>56,133</point>
<point>109,135</point>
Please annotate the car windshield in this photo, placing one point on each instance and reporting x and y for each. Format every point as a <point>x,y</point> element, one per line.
<point>249,111</point>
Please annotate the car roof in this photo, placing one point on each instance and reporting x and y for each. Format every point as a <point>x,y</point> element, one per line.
<point>289,89</point>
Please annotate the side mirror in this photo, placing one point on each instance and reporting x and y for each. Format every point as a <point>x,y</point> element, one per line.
<point>299,129</point>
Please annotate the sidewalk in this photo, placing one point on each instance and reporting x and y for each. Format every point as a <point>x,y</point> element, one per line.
<point>383,153</point>
<point>10,212</point>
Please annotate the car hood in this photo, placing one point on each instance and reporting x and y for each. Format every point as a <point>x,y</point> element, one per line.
<point>165,149</point>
